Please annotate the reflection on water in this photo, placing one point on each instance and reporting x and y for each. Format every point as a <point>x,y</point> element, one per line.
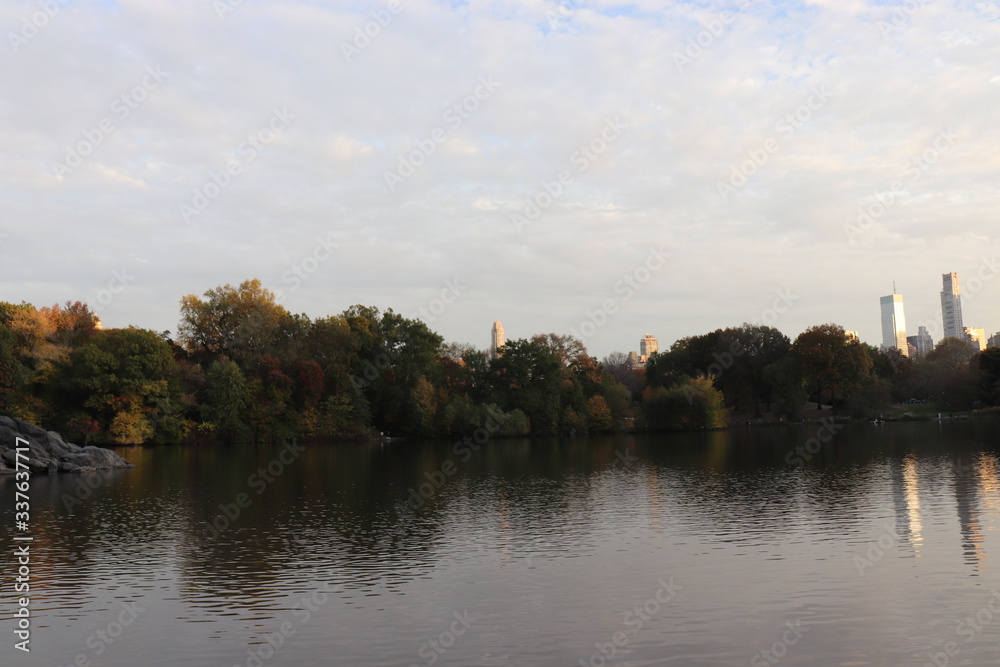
<point>911,492</point>
<point>548,544</point>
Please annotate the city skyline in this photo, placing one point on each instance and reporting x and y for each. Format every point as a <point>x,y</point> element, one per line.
<point>894,332</point>
<point>541,164</point>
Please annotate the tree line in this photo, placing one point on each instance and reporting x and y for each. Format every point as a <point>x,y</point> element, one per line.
<point>242,368</point>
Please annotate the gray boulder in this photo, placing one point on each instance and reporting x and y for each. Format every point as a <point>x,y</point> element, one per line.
<point>48,452</point>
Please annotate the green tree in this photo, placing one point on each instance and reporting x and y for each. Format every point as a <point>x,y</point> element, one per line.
<point>528,377</point>
<point>694,403</point>
<point>989,369</point>
<point>743,354</point>
<point>787,387</point>
<point>830,361</point>
<point>227,402</point>
<point>124,379</point>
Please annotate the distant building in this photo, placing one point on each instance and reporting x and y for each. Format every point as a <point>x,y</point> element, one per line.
<point>994,340</point>
<point>951,307</point>
<point>496,339</point>
<point>633,360</point>
<point>975,336</point>
<point>893,324</point>
<point>922,343</point>
<point>852,335</point>
<point>647,346</point>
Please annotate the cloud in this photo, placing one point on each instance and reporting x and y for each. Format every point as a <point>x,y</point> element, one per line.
<point>563,74</point>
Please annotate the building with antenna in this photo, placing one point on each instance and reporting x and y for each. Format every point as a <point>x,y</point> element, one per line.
<point>894,323</point>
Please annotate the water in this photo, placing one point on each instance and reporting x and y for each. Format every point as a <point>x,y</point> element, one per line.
<point>688,549</point>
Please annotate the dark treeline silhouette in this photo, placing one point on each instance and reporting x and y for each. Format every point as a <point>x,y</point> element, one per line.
<point>242,368</point>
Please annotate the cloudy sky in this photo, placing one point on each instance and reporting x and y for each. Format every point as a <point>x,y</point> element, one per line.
<point>652,167</point>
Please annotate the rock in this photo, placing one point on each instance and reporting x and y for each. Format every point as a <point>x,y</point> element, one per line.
<point>48,452</point>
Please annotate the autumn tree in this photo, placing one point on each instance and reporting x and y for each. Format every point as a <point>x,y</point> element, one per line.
<point>830,361</point>
<point>241,323</point>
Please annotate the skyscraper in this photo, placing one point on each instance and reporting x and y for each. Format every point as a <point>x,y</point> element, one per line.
<point>894,324</point>
<point>922,343</point>
<point>648,346</point>
<point>976,336</point>
<point>496,339</point>
<point>951,307</point>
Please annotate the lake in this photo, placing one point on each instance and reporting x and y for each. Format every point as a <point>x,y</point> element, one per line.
<point>800,545</point>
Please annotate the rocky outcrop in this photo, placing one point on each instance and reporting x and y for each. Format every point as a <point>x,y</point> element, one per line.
<point>48,452</point>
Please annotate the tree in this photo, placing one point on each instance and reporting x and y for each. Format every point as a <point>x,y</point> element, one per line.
<point>124,379</point>
<point>617,366</point>
<point>598,414</point>
<point>528,377</point>
<point>830,361</point>
<point>948,374</point>
<point>989,369</point>
<point>394,352</point>
<point>786,384</point>
<point>694,403</point>
<point>952,352</point>
<point>240,323</point>
<point>743,354</point>
<point>227,401</point>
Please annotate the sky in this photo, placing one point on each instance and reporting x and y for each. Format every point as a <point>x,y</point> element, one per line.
<point>595,168</point>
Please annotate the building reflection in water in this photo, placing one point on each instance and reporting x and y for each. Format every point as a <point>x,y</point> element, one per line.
<point>906,501</point>
<point>911,493</point>
<point>976,489</point>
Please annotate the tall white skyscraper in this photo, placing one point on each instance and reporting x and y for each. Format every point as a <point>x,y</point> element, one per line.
<point>951,307</point>
<point>496,338</point>
<point>648,346</point>
<point>893,324</point>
